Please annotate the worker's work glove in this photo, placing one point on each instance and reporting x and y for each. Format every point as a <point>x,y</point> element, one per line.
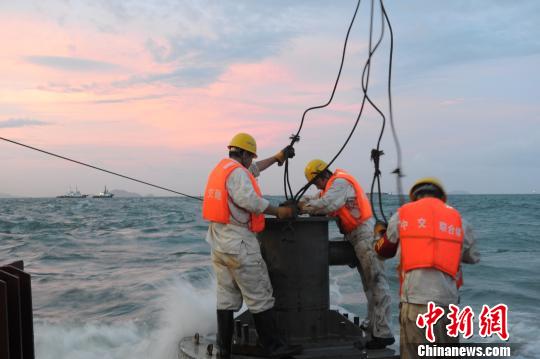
<point>285,212</point>
<point>302,206</point>
<point>380,229</point>
<point>281,156</point>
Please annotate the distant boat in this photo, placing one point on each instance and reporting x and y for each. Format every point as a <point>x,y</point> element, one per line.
<point>104,194</point>
<point>73,194</point>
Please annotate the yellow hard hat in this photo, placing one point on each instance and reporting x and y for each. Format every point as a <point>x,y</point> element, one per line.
<point>313,168</point>
<point>245,142</point>
<point>427,180</point>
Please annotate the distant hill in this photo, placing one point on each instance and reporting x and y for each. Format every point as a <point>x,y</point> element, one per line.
<point>124,194</point>
<point>459,192</point>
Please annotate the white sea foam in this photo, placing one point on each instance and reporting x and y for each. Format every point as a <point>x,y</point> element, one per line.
<point>89,341</point>
<point>186,311</point>
<point>183,310</point>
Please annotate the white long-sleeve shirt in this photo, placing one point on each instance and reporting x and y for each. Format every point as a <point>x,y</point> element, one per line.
<point>341,193</point>
<point>428,284</point>
<point>243,200</point>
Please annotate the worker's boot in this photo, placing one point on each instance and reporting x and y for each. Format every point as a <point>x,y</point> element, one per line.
<point>225,324</point>
<point>374,343</point>
<point>271,342</point>
<point>379,343</point>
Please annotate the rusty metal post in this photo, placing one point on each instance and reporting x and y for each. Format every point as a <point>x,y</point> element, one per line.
<point>16,319</point>
<point>26,316</point>
<point>13,314</point>
<point>4,336</point>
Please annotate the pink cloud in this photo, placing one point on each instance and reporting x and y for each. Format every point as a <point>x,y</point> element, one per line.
<point>266,99</point>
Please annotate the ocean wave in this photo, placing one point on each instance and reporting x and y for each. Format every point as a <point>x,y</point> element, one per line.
<point>181,310</point>
<point>127,278</point>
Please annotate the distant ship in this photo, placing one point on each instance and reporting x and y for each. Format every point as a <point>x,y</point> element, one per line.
<point>104,194</point>
<point>73,194</point>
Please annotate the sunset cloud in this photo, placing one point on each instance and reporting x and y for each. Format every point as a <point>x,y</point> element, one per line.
<point>21,122</point>
<point>160,87</point>
<point>71,63</point>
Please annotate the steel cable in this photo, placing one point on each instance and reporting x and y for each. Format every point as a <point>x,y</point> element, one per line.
<point>100,169</point>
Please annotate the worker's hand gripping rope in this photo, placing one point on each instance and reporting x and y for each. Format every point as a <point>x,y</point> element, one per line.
<point>284,154</point>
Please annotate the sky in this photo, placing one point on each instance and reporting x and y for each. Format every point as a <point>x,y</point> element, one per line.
<point>156,89</point>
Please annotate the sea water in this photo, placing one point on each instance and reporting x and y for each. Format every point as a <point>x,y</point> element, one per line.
<point>127,278</point>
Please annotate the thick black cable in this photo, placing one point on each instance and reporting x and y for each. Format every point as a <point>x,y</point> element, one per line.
<point>99,169</point>
<point>285,176</point>
<point>338,76</point>
<point>366,70</point>
<point>296,137</point>
<point>365,74</point>
<point>398,172</point>
<point>376,153</point>
<point>380,199</point>
<point>287,179</point>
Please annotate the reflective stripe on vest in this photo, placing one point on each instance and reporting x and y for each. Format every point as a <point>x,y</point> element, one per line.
<point>431,236</point>
<point>215,203</point>
<point>347,221</point>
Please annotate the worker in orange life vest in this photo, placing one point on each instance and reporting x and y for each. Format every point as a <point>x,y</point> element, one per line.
<point>342,197</point>
<point>433,240</point>
<point>235,208</point>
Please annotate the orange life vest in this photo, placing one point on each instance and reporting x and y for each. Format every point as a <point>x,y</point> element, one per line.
<point>431,236</point>
<point>215,203</point>
<point>348,222</point>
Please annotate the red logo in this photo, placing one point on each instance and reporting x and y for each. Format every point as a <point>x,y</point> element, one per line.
<point>491,321</point>
<point>460,321</point>
<point>429,319</point>
<point>494,321</point>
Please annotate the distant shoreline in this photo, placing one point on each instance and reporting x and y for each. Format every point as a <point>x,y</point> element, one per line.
<point>7,196</point>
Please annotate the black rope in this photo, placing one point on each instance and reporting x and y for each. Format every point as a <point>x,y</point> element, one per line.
<point>365,79</point>
<point>99,169</point>
<point>375,157</point>
<point>286,180</point>
<point>398,172</point>
<point>296,137</point>
<point>377,152</point>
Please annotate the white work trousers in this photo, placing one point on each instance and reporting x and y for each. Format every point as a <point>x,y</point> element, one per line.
<point>240,276</point>
<point>374,280</point>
